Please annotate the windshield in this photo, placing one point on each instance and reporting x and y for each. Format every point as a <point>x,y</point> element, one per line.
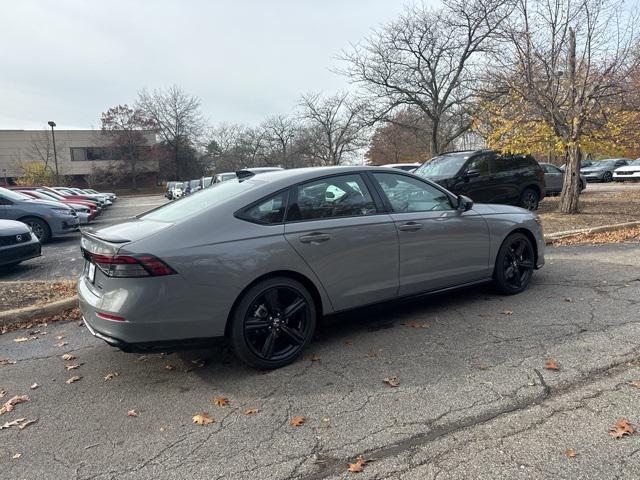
<point>11,195</point>
<point>446,165</point>
<point>55,196</point>
<point>635,163</point>
<point>199,201</point>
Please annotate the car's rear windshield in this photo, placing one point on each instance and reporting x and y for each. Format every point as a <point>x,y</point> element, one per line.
<point>198,202</point>
<point>446,165</point>
<point>11,195</point>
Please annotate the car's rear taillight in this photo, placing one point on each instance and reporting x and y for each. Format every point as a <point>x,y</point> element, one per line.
<point>129,266</point>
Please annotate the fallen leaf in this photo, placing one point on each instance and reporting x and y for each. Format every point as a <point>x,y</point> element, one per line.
<point>2,393</point>
<point>221,401</point>
<point>199,362</point>
<point>16,456</point>
<point>6,361</point>
<point>12,423</point>
<point>202,419</point>
<point>169,367</point>
<point>297,421</point>
<point>568,300</point>
<point>59,337</point>
<point>635,383</point>
<point>23,339</point>
<point>143,358</point>
<point>13,401</point>
<point>622,428</point>
<point>570,452</point>
<point>73,367</point>
<point>348,343</point>
<point>551,364</point>
<point>111,376</point>
<point>483,366</point>
<point>507,312</point>
<point>75,378</point>
<point>34,386</point>
<point>371,354</point>
<point>251,411</point>
<point>312,358</point>
<point>132,413</point>
<point>68,357</point>
<point>61,344</point>
<point>358,465</point>
<point>162,429</point>
<point>392,381</point>
<point>26,423</point>
<point>415,325</point>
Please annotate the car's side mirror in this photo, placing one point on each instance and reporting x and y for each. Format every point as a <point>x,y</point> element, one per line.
<point>464,203</point>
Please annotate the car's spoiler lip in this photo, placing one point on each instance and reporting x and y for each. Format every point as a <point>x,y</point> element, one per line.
<point>110,239</point>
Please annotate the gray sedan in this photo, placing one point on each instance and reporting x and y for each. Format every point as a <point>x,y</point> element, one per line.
<point>260,259</point>
<point>554,178</point>
<point>602,170</point>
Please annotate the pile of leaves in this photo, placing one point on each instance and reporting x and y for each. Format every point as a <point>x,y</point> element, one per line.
<point>616,236</point>
<point>67,315</point>
<point>26,294</point>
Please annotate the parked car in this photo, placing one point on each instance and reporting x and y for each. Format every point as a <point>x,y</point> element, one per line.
<point>288,247</point>
<point>46,219</point>
<point>628,172</point>
<point>206,182</point>
<point>17,243</point>
<point>70,194</point>
<point>407,167</point>
<point>84,214</point>
<point>168,193</point>
<point>488,176</point>
<point>54,196</point>
<point>110,195</point>
<point>102,196</point>
<point>223,177</point>
<point>602,170</point>
<point>554,179</point>
<point>195,185</point>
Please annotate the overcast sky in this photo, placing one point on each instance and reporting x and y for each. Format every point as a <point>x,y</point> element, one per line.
<point>68,61</point>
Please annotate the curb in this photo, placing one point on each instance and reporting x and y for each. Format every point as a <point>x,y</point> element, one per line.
<point>29,313</point>
<point>552,237</point>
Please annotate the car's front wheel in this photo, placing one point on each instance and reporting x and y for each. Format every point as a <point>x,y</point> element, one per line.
<point>273,323</point>
<point>529,199</point>
<point>39,227</point>
<point>607,177</point>
<point>514,264</point>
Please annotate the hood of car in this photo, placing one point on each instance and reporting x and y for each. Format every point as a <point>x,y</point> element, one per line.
<point>11,227</point>
<point>593,169</point>
<point>129,231</point>
<point>47,203</point>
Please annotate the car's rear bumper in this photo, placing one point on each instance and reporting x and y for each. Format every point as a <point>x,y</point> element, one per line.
<point>19,252</point>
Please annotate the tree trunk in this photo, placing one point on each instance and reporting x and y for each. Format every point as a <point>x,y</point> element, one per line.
<point>569,200</point>
<point>435,147</point>
<point>175,159</point>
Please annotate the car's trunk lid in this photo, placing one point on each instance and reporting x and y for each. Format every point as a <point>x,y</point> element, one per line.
<point>108,240</point>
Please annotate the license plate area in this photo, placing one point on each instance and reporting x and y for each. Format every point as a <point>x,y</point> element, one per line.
<point>90,271</point>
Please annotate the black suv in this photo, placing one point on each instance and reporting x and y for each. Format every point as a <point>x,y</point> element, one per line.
<point>488,176</point>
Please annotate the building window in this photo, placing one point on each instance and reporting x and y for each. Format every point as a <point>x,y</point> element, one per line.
<point>84,154</point>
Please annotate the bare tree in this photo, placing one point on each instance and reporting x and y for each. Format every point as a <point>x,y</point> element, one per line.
<point>177,117</point>
<point>565,60</point>
<point>427,59</point>
<point>123,129</point>
<point>280,132</point>
<point>336,126</point>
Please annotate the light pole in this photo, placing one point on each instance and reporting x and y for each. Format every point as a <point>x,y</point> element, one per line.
<point>55,154</point>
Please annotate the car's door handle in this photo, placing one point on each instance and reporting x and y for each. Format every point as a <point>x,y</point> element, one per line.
<point>315,237</point>
<point>410,227</point>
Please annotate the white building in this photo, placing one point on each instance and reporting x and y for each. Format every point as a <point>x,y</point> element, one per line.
<point>80,153</point>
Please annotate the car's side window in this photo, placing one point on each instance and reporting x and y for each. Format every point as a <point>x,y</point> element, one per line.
<point>408,194</point>
<point>479,164</point>
<point>270,211</point>
<point>333,197</point>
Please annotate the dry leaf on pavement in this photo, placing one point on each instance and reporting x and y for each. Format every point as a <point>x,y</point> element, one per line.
<point>392,381</point>
<point>61,344</point>
<point>68,357</point>
<point>168,366</point>
<point>132,413</point>
<point>251,411</point>
<point>8,406</point>
<point>2,393</point>
<point>73,367</point>
<point>551,364</point>
<point>635,383</point>
<point>312,358</point>
<point>34,386</point>
<point>570,452</point>
<point>26,423</point>
<point>75,378</point>
<point>6,361</point>
<point>297,421</point>
<point>23,339</point>
<point>358,465</point>
<point>221,401</point>
<point>415,325</point>
<point>16,456</point>
<point>622,428</point>
<point>202,419</point>
<point>111,376</point>
<point>12,423</point>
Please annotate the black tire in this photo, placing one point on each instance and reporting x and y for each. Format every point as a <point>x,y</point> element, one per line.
<point>529,199</point>
<point>607,177</point>
<point>514,264</point>
<point>262,333</point>
<point>581,185</point>
<point>40,228</point>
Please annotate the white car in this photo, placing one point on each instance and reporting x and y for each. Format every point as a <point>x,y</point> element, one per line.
<point>628,172</point>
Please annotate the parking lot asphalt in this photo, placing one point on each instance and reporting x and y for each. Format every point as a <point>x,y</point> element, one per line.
<point>61,259</point>
<point>473,399</point>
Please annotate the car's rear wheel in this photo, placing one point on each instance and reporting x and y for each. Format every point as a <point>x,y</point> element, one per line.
<point>273,323</point>
<point>607,177</point>
<point>529,199</point>
<point>514,264</point>
<point>39,227</point>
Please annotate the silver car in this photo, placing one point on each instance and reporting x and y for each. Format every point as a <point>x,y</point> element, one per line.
<point>259,259</point>
<point>554,179</point>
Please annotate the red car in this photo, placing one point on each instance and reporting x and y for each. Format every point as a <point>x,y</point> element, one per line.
<point>93,212</point>
<point>93,208</point>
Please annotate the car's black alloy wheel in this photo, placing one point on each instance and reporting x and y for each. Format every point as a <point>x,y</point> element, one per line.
<point>607,177</point>
<point>529,199</point>
<point>40,228</point>
<point>514,264</point>
<point>273,323</point>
